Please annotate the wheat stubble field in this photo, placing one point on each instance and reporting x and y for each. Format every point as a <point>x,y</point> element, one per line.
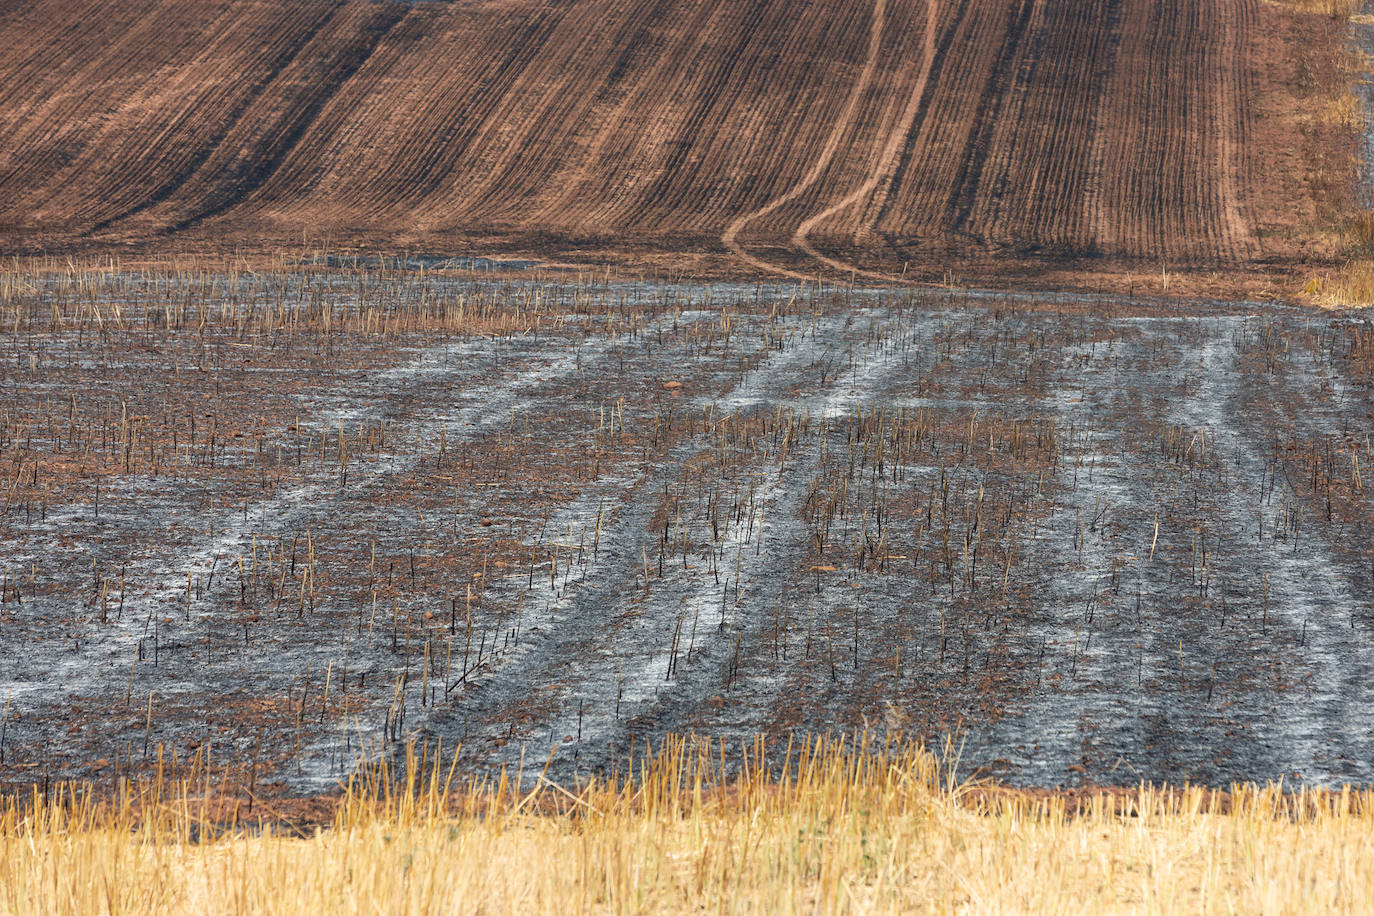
<point>291,520</point>
<point>773,456</point>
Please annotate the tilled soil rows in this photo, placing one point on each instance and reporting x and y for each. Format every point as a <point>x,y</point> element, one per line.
<point>857,139</point>
<point>281,523</point>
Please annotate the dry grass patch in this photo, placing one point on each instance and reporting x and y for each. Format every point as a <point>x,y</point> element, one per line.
<point>1336,9</point>
<point>839,829</point>
<point>1352,286</point>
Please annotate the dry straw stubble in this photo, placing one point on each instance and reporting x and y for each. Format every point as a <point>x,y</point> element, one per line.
<point>842,828</point>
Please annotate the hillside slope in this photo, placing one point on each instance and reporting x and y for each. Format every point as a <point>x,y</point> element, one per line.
<point>780,135</point>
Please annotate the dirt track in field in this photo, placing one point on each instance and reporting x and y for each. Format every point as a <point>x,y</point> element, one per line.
<point>791,137</point>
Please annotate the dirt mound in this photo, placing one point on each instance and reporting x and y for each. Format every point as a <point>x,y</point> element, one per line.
<point>793,136</point>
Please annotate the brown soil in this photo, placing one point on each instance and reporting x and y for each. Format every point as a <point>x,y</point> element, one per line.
<point>1114,143</point>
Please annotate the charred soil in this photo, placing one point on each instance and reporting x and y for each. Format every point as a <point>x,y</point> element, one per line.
<point>283,522</point>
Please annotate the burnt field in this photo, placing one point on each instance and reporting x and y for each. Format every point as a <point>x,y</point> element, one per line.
<point>885,139</point>
<point>280,522</point>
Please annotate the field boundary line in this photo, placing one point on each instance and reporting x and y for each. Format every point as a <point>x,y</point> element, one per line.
<point>730,237</point>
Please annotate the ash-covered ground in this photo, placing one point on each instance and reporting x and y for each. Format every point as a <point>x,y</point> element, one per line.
<point>281,523</point>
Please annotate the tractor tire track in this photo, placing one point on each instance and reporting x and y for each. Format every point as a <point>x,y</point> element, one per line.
<point>883,173</point>
<point>730,238</point>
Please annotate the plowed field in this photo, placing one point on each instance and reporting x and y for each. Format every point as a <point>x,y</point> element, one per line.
<point>786,136</point>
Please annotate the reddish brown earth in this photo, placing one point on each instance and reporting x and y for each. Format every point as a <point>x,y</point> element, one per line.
<point>1056,142</point>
